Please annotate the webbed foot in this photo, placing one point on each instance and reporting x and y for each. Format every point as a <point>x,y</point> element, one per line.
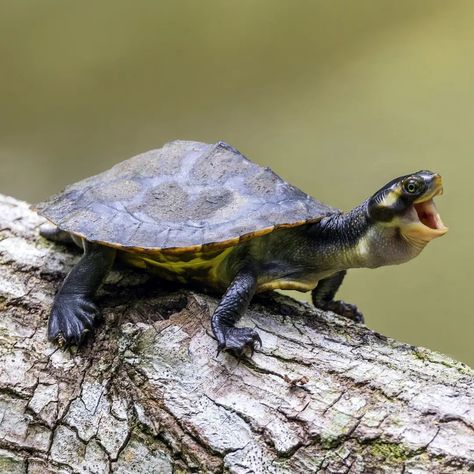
<point>72,318</point>
<point>235,340</point>
<point>342,308</point>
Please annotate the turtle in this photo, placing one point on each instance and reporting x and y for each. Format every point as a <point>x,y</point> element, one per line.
<point>200,213</point>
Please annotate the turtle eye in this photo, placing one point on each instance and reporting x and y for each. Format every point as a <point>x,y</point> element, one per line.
<point>413,186</point>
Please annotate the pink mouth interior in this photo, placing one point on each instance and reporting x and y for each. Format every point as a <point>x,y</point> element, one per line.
<point>428,214</point>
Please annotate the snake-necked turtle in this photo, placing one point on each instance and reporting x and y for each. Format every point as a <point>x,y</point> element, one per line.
<point>194,212</point>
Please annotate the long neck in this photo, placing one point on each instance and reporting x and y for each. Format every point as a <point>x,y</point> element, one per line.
<point>337,238</point>
<point>353,240</point>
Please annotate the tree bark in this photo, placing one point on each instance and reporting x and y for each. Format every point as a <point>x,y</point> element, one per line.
<point>148,394</point>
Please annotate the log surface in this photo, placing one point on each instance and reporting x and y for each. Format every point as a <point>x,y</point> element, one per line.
<point>148,394</point>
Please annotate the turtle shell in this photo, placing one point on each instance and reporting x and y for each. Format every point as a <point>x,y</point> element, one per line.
<point>182,197</point>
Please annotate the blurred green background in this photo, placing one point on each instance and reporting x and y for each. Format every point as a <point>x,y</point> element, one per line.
<point>337,97</point>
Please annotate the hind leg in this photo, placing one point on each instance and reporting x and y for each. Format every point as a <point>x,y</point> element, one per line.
<point>55,234</point>
<point>73,313</point>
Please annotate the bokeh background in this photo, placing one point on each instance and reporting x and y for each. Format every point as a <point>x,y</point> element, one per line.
<point>338,97</point>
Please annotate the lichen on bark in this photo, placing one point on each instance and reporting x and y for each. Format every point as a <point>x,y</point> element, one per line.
<point>148,393</point>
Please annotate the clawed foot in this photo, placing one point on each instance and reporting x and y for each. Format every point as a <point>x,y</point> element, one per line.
<point>72,318</point>
<point>347,310</point>
<point>235,341</point>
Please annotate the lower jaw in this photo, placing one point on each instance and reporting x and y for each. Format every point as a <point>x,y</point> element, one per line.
<point>418,240</point>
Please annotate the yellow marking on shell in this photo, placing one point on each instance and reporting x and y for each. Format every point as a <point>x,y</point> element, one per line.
<point>222,244</point>
<point>201,266</point>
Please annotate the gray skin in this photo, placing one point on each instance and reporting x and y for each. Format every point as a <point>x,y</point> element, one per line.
<point>390,227</point>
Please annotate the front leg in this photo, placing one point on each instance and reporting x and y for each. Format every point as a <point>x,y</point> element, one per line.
<point>73,312</point>
<point>323,298</point>
<point>232,306</point>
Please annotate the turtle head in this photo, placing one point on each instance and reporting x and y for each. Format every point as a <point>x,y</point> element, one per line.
<point>406,205</point>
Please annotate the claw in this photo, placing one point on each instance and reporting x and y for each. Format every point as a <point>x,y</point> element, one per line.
<point>344,309</point>
<point>71,320</point>
<point>237,339</point>
<point>252,345</point>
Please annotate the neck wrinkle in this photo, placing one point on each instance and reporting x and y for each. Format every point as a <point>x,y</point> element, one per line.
<point>341,235</point>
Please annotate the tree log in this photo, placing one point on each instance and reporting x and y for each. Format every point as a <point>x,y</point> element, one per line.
<point>148,393</point>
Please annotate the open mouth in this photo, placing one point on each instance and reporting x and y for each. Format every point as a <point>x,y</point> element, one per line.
<point>429,216</point>
<point>426,222</point>
<point>422,222</point>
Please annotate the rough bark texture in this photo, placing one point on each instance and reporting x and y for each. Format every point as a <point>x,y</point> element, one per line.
<point>149,395</point>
